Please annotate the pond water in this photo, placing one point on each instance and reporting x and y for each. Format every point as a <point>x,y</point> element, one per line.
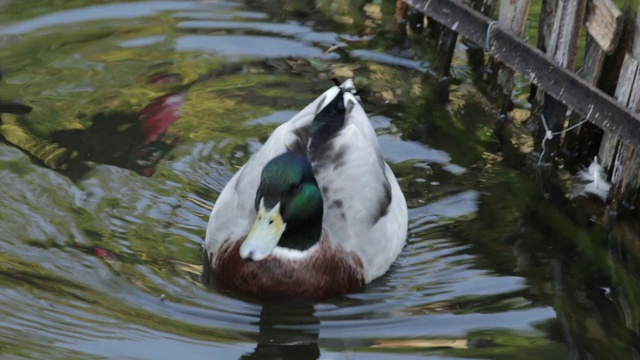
<point>123,121</point>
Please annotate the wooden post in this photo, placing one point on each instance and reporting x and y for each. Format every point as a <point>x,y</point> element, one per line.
<point>545,26</point>
<point>512,18</point>
<point>625,175</point>
<point>400,16</point>
<point>609,143</point>
<point>604,24</point>
<point>594,58</point>
<point>476,52</point>
<point>561,47</point>
<point>621,159</point>
<point>446,46</point>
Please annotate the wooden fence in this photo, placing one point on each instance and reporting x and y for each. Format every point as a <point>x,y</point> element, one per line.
<point>610,58</point>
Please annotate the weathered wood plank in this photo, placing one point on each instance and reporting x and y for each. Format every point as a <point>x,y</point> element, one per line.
<point>545,27</point>
<point>625,177</point>
<point>566,30</point>
<point>400,16</point>
<point>446,46</point>
<point>561,46</point>
<point>594,59</point>
<point>545,23</point>
<point>607,151</point>
<point>604,23</point>
<point>635,46</point>
<point>587,100</point>
<point>609,144</point>
<point>512,16</point>
<point>626,169</point>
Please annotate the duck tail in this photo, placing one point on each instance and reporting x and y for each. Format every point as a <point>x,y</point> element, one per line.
<point>328,122</point>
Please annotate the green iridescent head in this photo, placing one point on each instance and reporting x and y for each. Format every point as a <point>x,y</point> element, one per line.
<point>289,207</point>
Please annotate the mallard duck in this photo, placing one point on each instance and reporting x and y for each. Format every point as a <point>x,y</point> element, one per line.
<point>316,212</point>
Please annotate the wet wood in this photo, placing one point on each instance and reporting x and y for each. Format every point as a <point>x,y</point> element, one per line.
<point>626,166</point>
<point>604,23</point>
<point>545,23</point>
<point>635,46</point>
<point>607,151</point>
<point>565,33</point>
<point>593,61</point>
<point>446,46</point>
<point>560,83</point>
<point>400,16</point>
<point>609,145</point>
<point>625,179</point>
<point>545,26</point>
<point>544,112</point>
<point>573,144</point>
<point>621,160</point>
<point>561,45</point>
<point>512,17</point>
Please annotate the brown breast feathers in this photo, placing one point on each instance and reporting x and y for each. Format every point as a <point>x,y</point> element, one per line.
<point>329,271</point>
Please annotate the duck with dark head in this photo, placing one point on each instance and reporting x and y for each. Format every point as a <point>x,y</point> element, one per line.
<point>316,212</point>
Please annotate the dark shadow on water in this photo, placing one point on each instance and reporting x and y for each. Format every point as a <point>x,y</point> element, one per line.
<point>286,332</point>
<point>135,141</point>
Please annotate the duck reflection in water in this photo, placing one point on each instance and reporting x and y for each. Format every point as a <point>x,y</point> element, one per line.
<point>131,141</point>
<point>286,332</point>
<point>135,141</point>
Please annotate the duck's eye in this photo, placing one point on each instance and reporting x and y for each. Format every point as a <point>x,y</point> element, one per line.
<point>296,188</point>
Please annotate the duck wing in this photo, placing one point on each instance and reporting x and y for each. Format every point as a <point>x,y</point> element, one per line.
<point>364,208</point>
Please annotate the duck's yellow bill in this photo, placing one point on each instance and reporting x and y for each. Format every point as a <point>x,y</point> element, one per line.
<point>264,235</point>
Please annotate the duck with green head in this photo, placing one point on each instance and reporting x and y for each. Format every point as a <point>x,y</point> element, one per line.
<point>316,212</point>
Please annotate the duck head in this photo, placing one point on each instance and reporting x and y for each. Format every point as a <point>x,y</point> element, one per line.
<point>289,208</point>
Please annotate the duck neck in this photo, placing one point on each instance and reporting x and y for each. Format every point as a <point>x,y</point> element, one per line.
<point>302,236</point>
